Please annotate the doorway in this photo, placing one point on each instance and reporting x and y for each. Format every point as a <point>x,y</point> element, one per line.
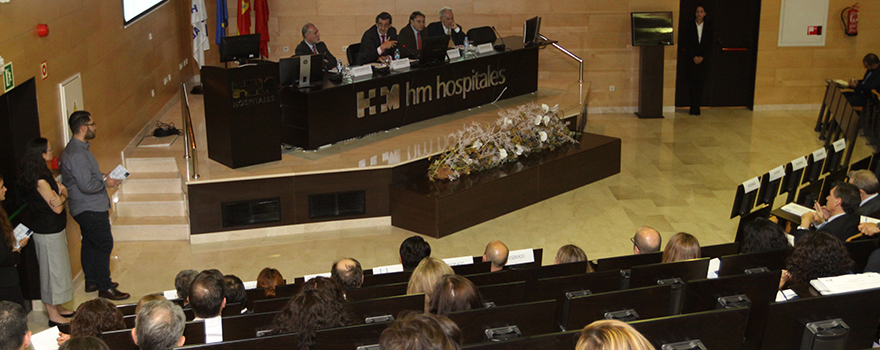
<point>730,74</point>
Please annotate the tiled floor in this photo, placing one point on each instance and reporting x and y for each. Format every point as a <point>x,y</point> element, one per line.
<point>677,174</point>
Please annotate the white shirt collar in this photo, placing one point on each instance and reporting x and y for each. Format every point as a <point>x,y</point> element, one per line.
<point>867,199</point>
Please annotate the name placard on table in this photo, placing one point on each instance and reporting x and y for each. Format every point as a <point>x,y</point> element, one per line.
<point>522,256</point>
<point>485,48</point>
<point>401,64</point>
<point>453,53</point>
<point>360,71</point>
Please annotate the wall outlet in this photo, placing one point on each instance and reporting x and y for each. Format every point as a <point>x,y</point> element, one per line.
<point>153,93</point>
<point>611,88</point>
<point>150,35</point>
<point>185,61</point>
<point>180,66</point>
<point>164,80</point>
<point>286,49</point>
<point>169,77</point>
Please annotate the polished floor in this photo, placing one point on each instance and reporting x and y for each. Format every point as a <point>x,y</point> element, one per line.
<point>677,174</point>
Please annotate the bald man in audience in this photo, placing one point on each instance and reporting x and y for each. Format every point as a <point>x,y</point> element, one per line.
<point>868,186</point>
<point>496,253</point>
<point>348,273</point>
<point>646,240</point>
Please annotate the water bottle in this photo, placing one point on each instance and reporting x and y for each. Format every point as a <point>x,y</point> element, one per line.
<point>396,54</point>
<point>339,66</point>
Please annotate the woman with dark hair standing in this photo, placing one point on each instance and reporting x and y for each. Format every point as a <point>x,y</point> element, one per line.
<point>47,218</point>
<point>695,45</point>
<point>318,305</point>
<point>9,256</point>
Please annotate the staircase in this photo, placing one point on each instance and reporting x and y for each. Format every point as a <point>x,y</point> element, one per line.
<point>151,204</point>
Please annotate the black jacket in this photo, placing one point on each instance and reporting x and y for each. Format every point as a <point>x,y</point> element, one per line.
<point>329,59</point>
<point>436,29</point>
<point>845,226</point>
<point>690,46</point>
<point>407,43</point>
<point>370,42</point>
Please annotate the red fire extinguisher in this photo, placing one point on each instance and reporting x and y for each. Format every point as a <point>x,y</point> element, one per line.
<point>850,18</point>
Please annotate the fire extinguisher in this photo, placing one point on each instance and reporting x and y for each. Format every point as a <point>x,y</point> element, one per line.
<point>850,18</point>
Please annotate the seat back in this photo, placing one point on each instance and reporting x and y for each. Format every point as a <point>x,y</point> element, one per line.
<point>392,306</point>
<point>351,52</point>
<point>380,291</point>
<point>737,264</point>
<point>719,250</point>
<point>531,319</point>
<point>628,261</point>
<point>481,35</point>
<point>718,329</point>
<point>553,341</point>
<point>648,302</point>
<point>648,275</point>
<point>247,326</point>
<point>271,342</point>
<point>504,294</point>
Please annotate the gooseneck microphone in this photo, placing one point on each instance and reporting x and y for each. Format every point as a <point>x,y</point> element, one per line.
<point>499,47</point>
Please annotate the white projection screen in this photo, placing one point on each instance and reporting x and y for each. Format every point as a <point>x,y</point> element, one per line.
<point>132,10</point>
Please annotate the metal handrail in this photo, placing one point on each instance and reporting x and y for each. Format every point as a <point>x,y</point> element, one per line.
<point>564,50</point>
<point>189,137</point>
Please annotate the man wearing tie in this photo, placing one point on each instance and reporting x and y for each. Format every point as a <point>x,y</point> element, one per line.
<point>447,26</point>
<point>411,36</point>
<point>312,45</point>
<point>378,41</point>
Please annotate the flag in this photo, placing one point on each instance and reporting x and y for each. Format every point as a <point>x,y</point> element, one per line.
<point>244,17</point>
<point>222,20</point>
<point>198,16</point>
<point>261,9</point>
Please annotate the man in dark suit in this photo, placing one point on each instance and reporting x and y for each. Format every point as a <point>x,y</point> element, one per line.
<point>862,88</point>
<point>312,45</point>
<point>868,186</point>
<point>378,41</point>
<point>410,38</point>
<point>447,26</point>
<point>695,45</point>
<point>838,216</point>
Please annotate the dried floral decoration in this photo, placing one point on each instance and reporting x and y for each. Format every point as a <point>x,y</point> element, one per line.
<point>518,132</point>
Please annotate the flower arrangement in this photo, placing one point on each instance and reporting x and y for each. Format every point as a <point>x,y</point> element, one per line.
<point>518,132</point>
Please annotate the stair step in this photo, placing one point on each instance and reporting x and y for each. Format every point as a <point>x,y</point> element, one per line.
<point>152,182</point>
<point>154,204</point>
<point>151,228</point>
<point>151,165</point>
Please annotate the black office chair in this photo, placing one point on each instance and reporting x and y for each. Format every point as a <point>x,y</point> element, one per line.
<point>481,35</point>
<point>352,52</point>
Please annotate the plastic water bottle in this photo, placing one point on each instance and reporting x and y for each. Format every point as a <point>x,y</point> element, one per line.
<point>339,66</point>
<point>467,46</point>
<point>396,54</point>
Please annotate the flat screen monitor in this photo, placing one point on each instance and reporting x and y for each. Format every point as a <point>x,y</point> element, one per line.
<point>434,49</point>
<point>290,70</point>
<point>132,10</point>
<point>531,29</point>
<point>239,48</point>
<point>651,28</point>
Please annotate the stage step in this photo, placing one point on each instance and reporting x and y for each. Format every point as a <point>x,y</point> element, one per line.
<point>152,182</point>
<point>151,165</point>
<point>154,204</point>
<point>151,228</point>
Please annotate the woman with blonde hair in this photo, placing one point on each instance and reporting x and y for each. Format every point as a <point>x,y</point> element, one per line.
<point>682,246</point>
<point>612,335</point>
<point>570,253</point>
<point>425,277</point>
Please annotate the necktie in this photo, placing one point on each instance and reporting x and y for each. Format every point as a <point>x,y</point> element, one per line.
<point>315,49</point>
<point>419,40</point>
<point>383,38</point>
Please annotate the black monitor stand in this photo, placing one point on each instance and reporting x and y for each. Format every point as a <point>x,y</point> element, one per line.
<point>651,81</point>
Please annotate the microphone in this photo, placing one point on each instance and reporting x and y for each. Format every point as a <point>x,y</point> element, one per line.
<point>411,52</point>
<point>501,46</point>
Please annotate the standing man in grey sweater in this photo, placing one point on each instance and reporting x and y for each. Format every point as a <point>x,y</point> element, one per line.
<point>90,206</point>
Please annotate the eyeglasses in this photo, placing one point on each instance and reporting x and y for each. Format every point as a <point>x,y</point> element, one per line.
<point>633,239</point>
<point>92,124</point>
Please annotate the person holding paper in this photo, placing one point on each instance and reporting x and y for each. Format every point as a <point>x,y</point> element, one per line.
<point>90,205</point>
<point>378,41</point>
<point>837,217</point>
<point>862,88</point>
<point>47,218</point>
<point>9,256</point>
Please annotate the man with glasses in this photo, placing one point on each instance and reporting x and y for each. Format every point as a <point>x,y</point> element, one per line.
<point>90,205</point>
<point>646,240</point>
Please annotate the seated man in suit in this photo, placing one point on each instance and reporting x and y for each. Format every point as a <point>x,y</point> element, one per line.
<point>867,183</point>
<point>447,26</point>
<point>378,41</point>
<point>871,81</point>
<point>312,45</point>
<point>207,297</point>
<point>410,37</point>
<point>838,216</point>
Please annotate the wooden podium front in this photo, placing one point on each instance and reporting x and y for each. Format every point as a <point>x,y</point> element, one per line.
<point>242,114</point>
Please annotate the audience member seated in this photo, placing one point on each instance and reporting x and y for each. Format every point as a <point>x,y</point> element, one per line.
<point>837,216</point>
<point>425,278</point>
<point>378,42</point>
<point>816,254</point>
<point>412,251</point>
<point>94,317</point>
<point>146,299</point>
<point>496,253</point>
<point>14,331</point>
<point>207,297</point>
<point>85,343</point>
<point>347,273</point>
<point>268,279</point>
<point>182,281</point>
<point>417,331</point>
<point>318,305</point>
<point>235,291</point>
<point>455,293</point>
<point>447,26</point>
<point>646,240</point>
<point>871,81</point>
<point>682,246</point>
<point>867,184</point>
<point>570,253</point>
<point>159,326</point>
<point>312,44</point>
<point>763,235</point>
<point>612,335</point>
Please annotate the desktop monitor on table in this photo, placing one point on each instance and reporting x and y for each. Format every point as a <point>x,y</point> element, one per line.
<point>239,48</point>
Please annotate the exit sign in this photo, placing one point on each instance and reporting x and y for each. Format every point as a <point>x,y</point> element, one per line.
<point>8,77</point>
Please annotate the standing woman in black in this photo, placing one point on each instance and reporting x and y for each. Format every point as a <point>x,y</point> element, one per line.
<point>9,256</point>
<point>47,218</point>
<point>696,46</point>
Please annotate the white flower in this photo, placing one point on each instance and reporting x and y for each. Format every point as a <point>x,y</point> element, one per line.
<point>502,153</point>
<point>508,121</point>
<point>538,120</point>
<point>519,150</point>
<point>543,136</point>
<point>478,144</point>
<point>555,108</point>
<point>546,119</point>
<point>545,108</point>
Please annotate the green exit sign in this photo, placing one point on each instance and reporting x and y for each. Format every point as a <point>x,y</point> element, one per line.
<point>8,77</point>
